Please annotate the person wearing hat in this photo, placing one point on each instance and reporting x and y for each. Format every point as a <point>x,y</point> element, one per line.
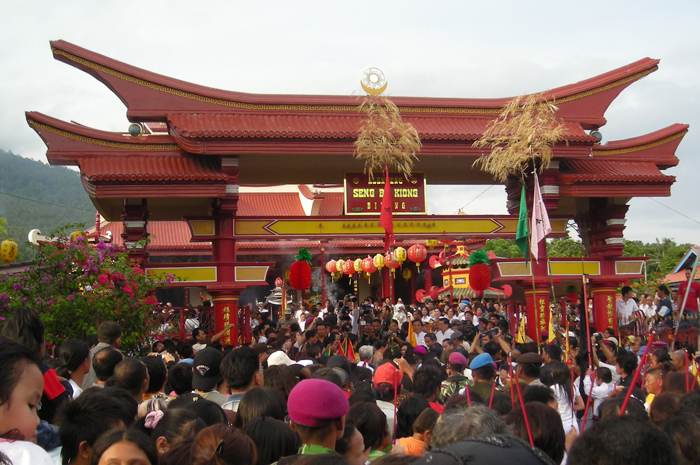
<point>206,375</point>
<point>528,369</point>
<point>456,380</point>
<point>387,386</point>
<point>287,320</point>
<point>319,427</point>
<point>458,342</point>
<point>483,373</point>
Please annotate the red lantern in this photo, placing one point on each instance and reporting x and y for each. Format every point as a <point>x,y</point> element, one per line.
<point>417,253</point>
<point>390,262</point>
<point>368,265</point>
<point>349,267</point>
<point>330,267</point>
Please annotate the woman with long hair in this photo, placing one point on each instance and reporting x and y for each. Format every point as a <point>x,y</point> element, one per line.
<point>559,381</point>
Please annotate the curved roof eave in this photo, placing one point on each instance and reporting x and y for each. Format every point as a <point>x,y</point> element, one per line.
<point>151,96</point>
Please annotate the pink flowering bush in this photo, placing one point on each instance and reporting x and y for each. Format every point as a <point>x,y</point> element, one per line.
<point>75,286</point>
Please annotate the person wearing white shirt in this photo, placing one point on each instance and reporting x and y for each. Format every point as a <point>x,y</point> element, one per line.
<point>626,306</point>
<point>444,331</point>
<point>419,333</point>
<point>603,387</point>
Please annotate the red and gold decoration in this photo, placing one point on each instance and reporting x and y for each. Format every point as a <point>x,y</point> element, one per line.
<point>390,262</point>
<point>406,274</point>
<point>348,267</point>
<point>300,271</point>
<point>479,272</point>
<point>330,267</point>
<point>368,265</point>
<point>8,250</point>
<point>417,253</point>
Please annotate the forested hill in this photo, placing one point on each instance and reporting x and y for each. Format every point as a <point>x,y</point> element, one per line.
<point>34,195</point>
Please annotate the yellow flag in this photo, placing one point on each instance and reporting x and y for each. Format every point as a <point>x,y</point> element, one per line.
<point>520,337</point>
<point>552,335</point>
<point>411,335</point>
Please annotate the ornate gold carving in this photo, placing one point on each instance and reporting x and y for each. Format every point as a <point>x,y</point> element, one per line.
<point>285,107</point>
<point>104,143</point>
<point>640,147</point>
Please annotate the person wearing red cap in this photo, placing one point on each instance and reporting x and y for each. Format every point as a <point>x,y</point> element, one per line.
<point>387,386</point>
<point>321,426</point>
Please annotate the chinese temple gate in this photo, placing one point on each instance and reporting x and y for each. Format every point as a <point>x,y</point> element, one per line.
<point>194,146</point>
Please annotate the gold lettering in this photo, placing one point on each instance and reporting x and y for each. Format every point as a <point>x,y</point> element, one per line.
<point>363,193</point>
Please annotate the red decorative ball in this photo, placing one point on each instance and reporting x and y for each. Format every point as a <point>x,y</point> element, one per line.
<point>300,275</point>
<point>479,277</point>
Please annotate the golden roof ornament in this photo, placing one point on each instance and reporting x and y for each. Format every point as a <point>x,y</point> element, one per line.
<point>373,81</point>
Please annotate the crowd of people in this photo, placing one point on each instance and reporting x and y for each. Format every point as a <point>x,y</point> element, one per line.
<point>351,383</point>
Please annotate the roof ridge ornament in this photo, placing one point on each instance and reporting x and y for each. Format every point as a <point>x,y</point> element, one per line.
<point>373,81</point>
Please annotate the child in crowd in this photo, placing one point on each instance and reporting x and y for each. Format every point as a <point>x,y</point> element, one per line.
<point>21,387</point>
<point>603,387</point>
<point>419,443</point>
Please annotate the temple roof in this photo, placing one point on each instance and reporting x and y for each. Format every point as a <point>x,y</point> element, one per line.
<point>193,130</point>
<point>150,96</point>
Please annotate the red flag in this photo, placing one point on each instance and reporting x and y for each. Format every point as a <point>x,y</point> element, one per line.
<point>350,352</point>
<point>339,350</point>
<point>385,219</point>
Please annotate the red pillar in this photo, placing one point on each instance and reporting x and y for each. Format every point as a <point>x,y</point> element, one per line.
<point>537,302</point>
<point>226,312</point>
<point>537,310</point>
<point>604,295</point>
<point>226,291</point>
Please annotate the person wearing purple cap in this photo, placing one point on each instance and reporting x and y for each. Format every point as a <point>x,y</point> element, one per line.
<point>320,425</point>
<point>456,380</point>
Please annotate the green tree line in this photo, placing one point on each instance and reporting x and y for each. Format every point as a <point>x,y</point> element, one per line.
<point>34,195</point>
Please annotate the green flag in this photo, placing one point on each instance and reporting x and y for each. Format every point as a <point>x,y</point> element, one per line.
<point>521,235</point>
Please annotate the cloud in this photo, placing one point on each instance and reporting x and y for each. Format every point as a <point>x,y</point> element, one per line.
<point>449,49</point>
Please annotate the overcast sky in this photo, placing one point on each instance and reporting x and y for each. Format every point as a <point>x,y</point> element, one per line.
<point>432,49</point>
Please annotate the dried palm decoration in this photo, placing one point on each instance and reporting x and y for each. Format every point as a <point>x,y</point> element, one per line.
<point>522,135</point>
<point>384,139</point>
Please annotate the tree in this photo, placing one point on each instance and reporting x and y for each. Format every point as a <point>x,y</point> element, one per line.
<point>564,247</point>
<point>503,248</point>
<point>75,286</point>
